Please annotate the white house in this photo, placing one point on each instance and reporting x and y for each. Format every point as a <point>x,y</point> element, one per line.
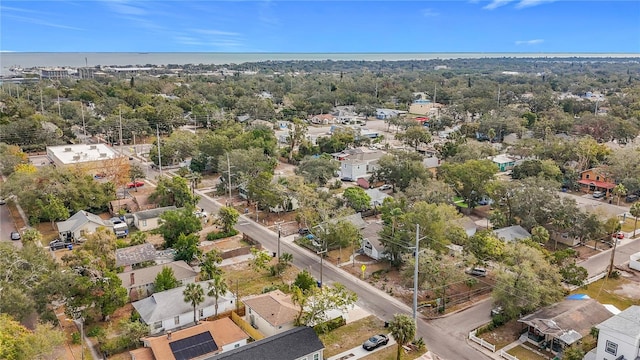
<point>634,261</point>
<point>352,169</point>
<point>207,338</point>
<point>165,310</point>
<point>150,219</point>
<point>139,282</point>
<point>371,244</point>
<point>80,224</point>
<point>619,336</point>
<point>377,197</point>
<point>271,313</point>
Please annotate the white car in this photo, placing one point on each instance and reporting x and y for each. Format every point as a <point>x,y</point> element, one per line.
<point>385,187</point>
<point>200,214</point>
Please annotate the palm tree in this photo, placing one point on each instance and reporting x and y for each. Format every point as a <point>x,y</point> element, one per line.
<point>635,212</point>
<point>403,329</point>
<point>193,294</point>
<point>217,287</point>
<point>618,191</point>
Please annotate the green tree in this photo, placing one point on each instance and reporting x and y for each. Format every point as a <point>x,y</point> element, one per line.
<point>304,281</point>
<point>20,343</point>
<point>260,259</point>
<point>340,234</point>
<point>400,168</point>
<point>165,280</point>
<point>539,234</point>
<point>415,136</point>
<point>217,288</point>
<point>177,222</point>
<point>53,209</point>
<point>174,191</point>
<point>619,190</point>
<point>263,191</point>
<point>10,157</point>
<point>325,299</point>
<point>469,178</point>
<point>574,352</point>
<point>187,247</point>
<point>297,133</point>
<point>109,295</point>
<point>318,170</point>
<point>228,217</point>
<point>485,246</point>
<point>32,236</point>
<point>209,265</point>
<point>635,212</point>
<point>403,330</point>
<point>194,295</point>
<point>527,281</point>
<point>357,198</point>
<point>136,172</point>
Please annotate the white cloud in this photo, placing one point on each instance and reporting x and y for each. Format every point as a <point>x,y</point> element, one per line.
<point>216,32</point>
<point>429,13</point>
<point>36,21</point>
<point>529,42</point>
<point>123,8</point>
<point>494,4</point>
<point>529,3</point>
<point>213,38</point>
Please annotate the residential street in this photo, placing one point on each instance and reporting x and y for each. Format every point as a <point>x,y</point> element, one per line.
<point>445,337</point>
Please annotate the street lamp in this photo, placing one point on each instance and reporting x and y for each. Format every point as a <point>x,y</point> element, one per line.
<point>81,321</point>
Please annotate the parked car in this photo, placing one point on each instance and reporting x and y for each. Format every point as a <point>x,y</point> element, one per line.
<point>3,201</point>
<point>375,341</point>
<point>477,271</point>
<point>58,244</point>
<point>303,231</point>
<point>15,236</point>
<point>631,198</point>
<point>619,235</point>
<point>385,187</point>
<point>135,184</point>
<point>200,214</point>
<point>496,311</point>
<point>598,194</point>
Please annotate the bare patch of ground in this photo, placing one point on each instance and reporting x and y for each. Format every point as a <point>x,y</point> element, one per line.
<point>503,335</point>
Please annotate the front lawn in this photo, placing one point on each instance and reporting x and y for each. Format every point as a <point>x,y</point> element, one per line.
<point>250,282</point>
<point>351,335</point>
<point>607,291</point>
<point>522,353</point>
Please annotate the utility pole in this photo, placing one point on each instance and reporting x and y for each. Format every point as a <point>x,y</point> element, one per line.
<point>321,253</point>
<point>613,254</point>
<point>229,179</point>
<point>84,127</point>
<point>120,111</point>
<point>159,157</point>
<point>415,277</point>
<point>279,235</point>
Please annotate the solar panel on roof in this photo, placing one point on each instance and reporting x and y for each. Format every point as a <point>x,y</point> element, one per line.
<point>193,346</point>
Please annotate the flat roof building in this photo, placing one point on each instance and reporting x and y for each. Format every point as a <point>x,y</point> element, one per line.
<point>94,157</point>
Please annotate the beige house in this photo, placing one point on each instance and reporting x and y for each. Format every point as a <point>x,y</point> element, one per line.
<point>150,219</point>
<point>80,224</point>
<point>271,313</point>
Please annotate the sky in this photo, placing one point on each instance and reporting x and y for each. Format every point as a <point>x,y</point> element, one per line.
<point>331,26</point>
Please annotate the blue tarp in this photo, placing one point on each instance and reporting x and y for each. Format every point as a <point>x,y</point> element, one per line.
<point>578,297</point>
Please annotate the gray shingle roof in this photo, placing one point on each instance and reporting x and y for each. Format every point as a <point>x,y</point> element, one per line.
<point>289,345</point>
<point>135,254</point>
<point>77,220</point>
<point>169,303</point>
<point>181,270</point>
<point>626,322</point>
<point>153,213</point>
<point>512,233</point>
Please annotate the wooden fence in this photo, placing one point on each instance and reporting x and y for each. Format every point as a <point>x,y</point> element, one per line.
<point>246,327</point>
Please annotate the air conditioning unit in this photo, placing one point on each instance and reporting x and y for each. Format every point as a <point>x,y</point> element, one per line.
<point>93,147</point>
<point>76,157</point>
<point>103,155</point>
<point>67,149</point>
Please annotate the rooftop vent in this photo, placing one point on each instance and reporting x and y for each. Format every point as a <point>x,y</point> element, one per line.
<point>102,155</point>
<point>76,157</point>
<point>67,149</point>
<point>93,147</point>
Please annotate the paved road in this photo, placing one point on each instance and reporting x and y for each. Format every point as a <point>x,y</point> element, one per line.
<point>444,337</point>
<point>600,262</point>
<point>6,224</point>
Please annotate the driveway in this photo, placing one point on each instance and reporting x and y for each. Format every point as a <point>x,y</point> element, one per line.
<point>600,207</point>
<point>358,352</point>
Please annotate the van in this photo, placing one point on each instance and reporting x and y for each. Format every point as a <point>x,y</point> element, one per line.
<point>631,198</point>
<point>598,194</point>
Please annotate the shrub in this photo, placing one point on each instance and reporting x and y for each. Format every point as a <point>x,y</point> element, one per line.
<point>95,331</point>
<point>75,338</point>
<point>330,325</point>
<point>221,235</point>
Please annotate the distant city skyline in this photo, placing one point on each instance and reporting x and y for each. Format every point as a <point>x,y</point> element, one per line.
<point>527,26</point>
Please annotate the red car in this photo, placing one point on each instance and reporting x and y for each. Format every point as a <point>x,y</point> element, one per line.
<point>619,235</point>
<point>135,184</point>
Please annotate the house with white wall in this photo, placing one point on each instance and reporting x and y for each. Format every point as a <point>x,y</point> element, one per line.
<point>150,219</point>
<point>271,313</point>
<point>353,169</point>
<point>165,310</point>
<point>139,282</point>
<point>619,336</point>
